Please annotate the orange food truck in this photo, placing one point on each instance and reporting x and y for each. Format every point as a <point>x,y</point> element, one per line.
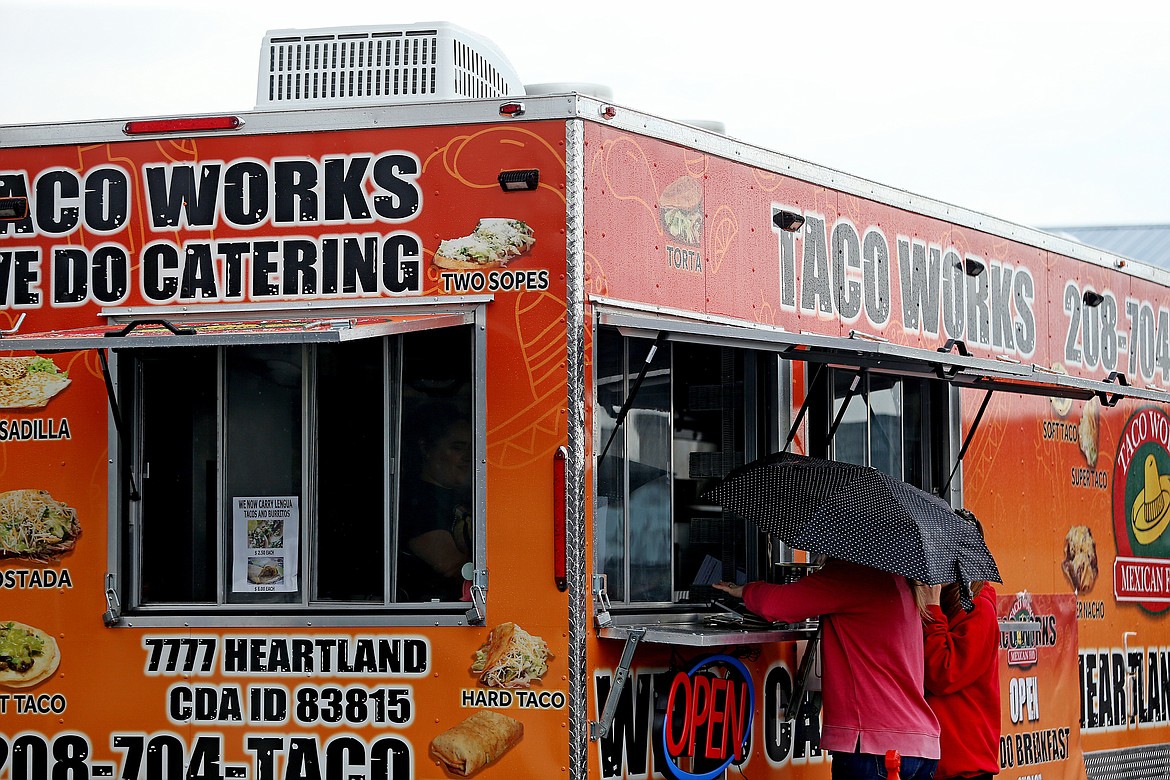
<point>366,434</point>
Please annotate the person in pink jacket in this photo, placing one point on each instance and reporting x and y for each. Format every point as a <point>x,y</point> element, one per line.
<point>872,661</point>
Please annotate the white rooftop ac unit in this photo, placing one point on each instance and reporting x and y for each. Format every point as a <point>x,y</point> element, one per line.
<point>337,66</point>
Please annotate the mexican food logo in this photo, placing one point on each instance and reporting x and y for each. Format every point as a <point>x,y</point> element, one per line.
<point>1023,644</point>
<point>708,718</point>
<point>1141,511</point>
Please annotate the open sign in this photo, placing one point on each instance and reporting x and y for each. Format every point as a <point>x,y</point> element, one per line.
<point>708,717</point>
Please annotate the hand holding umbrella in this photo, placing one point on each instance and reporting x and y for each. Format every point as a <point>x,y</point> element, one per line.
<point>859,514</point>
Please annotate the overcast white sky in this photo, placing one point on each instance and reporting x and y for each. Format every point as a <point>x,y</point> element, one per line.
<point>1042,113</point>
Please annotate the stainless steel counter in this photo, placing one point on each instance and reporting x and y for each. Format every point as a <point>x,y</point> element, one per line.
<point>702,630</point>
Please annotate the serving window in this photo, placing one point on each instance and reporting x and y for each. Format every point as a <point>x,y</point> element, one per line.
<point>696,410</point>
<point>301,478</point>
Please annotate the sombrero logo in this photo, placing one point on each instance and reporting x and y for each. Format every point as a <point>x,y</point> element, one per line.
<point>1141,511</point>
<point>708,718</point>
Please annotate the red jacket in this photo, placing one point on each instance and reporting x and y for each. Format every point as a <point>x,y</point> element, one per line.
<point>962,685</point>
<point>871,651</point>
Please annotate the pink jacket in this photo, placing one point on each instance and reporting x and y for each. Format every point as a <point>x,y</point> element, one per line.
<point>871,654</point>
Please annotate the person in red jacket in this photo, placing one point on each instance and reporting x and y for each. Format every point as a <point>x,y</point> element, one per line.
<point>872,658</point>
<point>962,677</point>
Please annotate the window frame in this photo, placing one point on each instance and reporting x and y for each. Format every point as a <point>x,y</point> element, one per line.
<point>864,356</point>
<point>122,591</point>
<point>767,397</point>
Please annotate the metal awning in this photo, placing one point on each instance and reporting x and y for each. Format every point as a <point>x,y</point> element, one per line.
<point>142,329</point>
<point>951,363</point>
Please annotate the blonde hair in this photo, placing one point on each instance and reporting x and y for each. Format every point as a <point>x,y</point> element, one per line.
<point>919,599</point>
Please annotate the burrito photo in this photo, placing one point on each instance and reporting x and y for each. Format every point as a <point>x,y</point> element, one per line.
<point>476,742</point>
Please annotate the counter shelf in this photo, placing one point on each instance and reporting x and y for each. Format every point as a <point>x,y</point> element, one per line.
<point>687,629</point>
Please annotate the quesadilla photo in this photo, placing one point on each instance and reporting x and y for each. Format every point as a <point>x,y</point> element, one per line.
<point>511,658</point>
<point>34,525</point>
<point>29,382</point>
<point>493,243</point>
<point>28,655</point>
<point>479,740</point>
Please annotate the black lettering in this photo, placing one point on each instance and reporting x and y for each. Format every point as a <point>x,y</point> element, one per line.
<point>233,253</point>
<point>777,732</point>
<point>627,741</point>
<point>110,274</point>
<point>389,759</point>
<point>344,755</point>
<point>302,759</point>
<point>296,196</point>
<point>175,199</point>
<point>1104,691</point>
<point>344,189</point>
<point>300,271</point>
<point>329,262</point>
<point>1119,698</point>
<point>1083,673</point>
<point>19,277</point>
<point>107,200</point>
<point>401,267</point>
<point>198,272</point>
<point>358,264</point>
<point>56,189</point>
<point>160,271</point>
<point>402,198</point>
<point>245,193</point>
<point>70,275</point>
<point>235,655</point>
<point>265,749</point>
<point>808,726</point>
<point>263,267</point>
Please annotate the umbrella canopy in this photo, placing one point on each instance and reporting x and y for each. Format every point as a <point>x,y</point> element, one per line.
<point>859,514</point>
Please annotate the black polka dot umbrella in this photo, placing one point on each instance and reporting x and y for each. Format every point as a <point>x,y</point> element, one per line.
<point>859,514</point>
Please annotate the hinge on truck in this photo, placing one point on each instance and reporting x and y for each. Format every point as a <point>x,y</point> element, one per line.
<point>478,612</point>
<point>113,614</point>
<point>601,604</point>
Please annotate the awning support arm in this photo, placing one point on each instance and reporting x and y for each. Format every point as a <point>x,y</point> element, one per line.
<point>845,405</point>
<point>967,441</point>
<point>806,665</point>
<point>117,414</point>
<point>808,396</point>
<point>626,404</point>
<point>600,728</point>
